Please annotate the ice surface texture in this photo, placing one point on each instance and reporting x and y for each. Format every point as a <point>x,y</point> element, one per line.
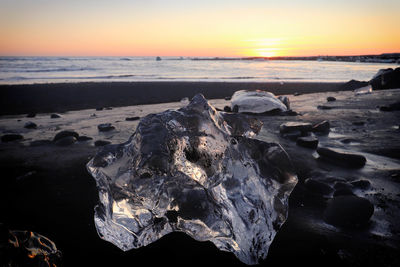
<point>198,171</point>
<point>257,101</point>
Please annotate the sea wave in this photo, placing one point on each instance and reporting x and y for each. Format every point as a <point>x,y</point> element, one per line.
<point>59,69</point>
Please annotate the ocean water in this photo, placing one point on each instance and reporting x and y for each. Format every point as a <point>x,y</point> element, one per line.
<point>28,70</point>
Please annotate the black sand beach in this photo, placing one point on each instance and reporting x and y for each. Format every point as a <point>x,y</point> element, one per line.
<point>61,97</point>
<point>46,188</point>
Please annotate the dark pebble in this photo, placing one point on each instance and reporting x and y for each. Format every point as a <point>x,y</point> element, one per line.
<point>227,98</point>
<point>330,99</point>
<point>342,159</point>
<point>84,138</point>
<point>11,137</point>
<point>132,118</point>
<point>288,127</point>
<point>66,141</point>
<point>55,116</point>
<point>108,108</point>
<point>318,187</point>
<point>99,108</point>
<point>361,184</point>
<point>101,143</point>
<point>297,94</point>
<point>307,141</point>
<point>105,127</point>
<point>30,125</point>
<point>348,211</point>
<point>31,115</point>
<point>227,109</point>
<point>323,107</point>
<point>359,123</point>
<point>65,133</point>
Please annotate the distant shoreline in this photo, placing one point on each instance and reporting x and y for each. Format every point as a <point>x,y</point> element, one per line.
<point>62,97</point>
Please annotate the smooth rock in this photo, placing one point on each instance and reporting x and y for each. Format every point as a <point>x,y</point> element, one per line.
<point>330,99</point>
<point>31,115</point>
<point>101,143</point>
<point>307,141</point>
<point>342,158</point>
<point>11,137</point>
<point>227,109</point>
<point>321,127</point>
<point>65,133</point>
<point>30,125</point>
<point>348,211</point>
<point>294,126</point>
<point>318,187</point>
<point>55,116</point>
<point>256,102</point>
<point>105,127</point>
<point>65,141</point>
<point>132,118</point>
<point>186,170</point>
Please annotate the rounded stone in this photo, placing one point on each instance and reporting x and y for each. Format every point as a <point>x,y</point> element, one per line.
<point>65,133</point>
<point>348,211</point>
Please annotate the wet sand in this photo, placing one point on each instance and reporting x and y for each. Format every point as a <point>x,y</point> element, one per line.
<point>46,188</point>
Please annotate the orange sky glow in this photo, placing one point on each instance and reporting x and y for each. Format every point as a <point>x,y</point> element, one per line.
<point>172,28</point>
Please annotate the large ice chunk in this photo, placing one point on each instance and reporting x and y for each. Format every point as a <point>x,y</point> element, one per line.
<point>194,170</point>
<point>258,101</point>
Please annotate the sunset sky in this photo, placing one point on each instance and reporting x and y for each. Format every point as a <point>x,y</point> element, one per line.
<point>198,28</point>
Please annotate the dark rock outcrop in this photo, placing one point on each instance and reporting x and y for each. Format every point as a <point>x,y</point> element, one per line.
<point>386,79</point>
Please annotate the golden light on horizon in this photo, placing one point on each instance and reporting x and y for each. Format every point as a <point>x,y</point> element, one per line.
<point>266,47</point>
<point>306,28</point>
